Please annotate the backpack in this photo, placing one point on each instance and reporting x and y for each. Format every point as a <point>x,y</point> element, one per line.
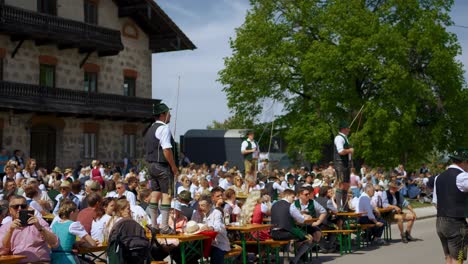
<point>128,243</point>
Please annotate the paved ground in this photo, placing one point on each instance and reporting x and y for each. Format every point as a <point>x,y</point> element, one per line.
<point>426,250</point>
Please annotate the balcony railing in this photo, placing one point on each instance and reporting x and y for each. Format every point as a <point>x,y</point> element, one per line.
<point>27,24</point>
<point>35,98</point>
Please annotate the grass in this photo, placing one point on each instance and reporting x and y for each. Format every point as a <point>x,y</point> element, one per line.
<point>416,204</point>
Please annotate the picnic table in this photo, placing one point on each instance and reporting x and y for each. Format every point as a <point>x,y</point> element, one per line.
<point>11,259</point>
<point>48,218</point>
<point>97,253</point>
<point>187,248</point>
<point>387,229</point>
<point>247,229</point>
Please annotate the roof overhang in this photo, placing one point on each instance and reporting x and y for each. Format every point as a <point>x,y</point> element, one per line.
<point>164,34</point>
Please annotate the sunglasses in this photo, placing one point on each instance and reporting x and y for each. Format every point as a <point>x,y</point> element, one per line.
<point>17,206</point>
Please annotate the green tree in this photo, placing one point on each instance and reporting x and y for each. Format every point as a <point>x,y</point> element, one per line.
<point>233,122</point>
<point>324,60</point>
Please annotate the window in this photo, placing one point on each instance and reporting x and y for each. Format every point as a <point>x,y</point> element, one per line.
<point>129,86</point>
<point>91,12</point>
<point>1,69</point>
<point>47,75</point>
<point>89,143</point>
<point>47,7</point>
<point>90,82</point>
<point>129,145</point>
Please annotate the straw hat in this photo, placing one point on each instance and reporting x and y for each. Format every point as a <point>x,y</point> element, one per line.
<point>65,184</point>
<point>57,170</point>
<point>317,183</point>
<point>192,228</point>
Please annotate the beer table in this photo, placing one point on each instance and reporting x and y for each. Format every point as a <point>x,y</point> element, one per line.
<point>387,229</point>
<point>11,259</point>
<point>247,229</point>
<point>187,248</point>
<point>48,218</point>
<point>96,253</point>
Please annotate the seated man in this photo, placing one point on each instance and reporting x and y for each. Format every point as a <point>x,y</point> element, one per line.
<point>392,198</point>
<point>33,240</point>
<point>332,222</point>
<point>364,206</point>
<point>307,206</point>
<point>284,214</point>
<point>213,218</point>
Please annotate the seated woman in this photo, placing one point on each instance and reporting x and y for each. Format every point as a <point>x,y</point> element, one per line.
<point>231,209</point>
<point>185,184</point>
<point>253,212</point>
<point>121,210</point>
<point>103,215</point>
<point>30,191</point>
<point>67,229</point>
<point>238,186</point>
<point>213,218</point>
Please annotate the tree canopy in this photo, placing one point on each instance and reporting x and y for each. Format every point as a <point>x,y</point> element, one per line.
<point>323,60</point>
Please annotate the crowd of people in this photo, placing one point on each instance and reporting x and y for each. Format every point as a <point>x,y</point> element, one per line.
<point>88,202</point>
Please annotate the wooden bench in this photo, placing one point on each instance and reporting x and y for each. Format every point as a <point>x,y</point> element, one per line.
<point>342,233</point>
<point>230,257</point>
<point>362,228</point>
<point>274,245</point>
<point>158,262</point>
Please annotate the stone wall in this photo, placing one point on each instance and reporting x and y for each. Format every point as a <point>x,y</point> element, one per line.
<point>136,56</point>
<point>69,140</point>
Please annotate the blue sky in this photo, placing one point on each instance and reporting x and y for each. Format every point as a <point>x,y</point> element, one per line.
<point>210,24</point>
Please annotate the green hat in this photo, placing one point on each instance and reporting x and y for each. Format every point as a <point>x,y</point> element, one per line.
<point>461,154</point>
<point>343,124</point>
<point>185,196</point>
<point>248,132</point>
<point>160,108</point>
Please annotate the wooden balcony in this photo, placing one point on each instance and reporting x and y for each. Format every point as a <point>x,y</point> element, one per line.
<point>23,24</point>
<point>27,98</point>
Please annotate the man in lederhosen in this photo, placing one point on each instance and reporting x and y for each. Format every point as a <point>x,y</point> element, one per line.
<point>342,162</point>
<point>161,155</point>
<point>451,194</point>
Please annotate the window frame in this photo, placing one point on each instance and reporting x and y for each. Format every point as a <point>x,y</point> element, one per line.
<point>127,90</point>
<point>89,17</point>
<point>129,145</point>
<point>89,145</point>
<point>2,61</point>
<point>45,66</point>
<point>85,81</point>
<point>47,7</point>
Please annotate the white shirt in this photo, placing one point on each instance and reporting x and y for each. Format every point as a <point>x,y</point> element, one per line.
<point>223,183</point>
<point>76,228</point>
<point>278,187</point>
<point>193,190</point>
<point>339,143</point>
<point>163,133</point>
<point>364,206</point>
<point>139,215</point>
<point>461,181</point>
<point>98,226</point>
<point>215,220</point>
<point>129,195</point>
<point>253,144</point>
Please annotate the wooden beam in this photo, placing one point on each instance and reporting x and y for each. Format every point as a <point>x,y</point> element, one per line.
<point>17,48</point>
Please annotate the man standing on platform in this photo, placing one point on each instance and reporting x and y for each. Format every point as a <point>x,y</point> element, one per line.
<point>161,155</point>
<point>450,193</point>
<point>250,150</point>
<point>342,157</point>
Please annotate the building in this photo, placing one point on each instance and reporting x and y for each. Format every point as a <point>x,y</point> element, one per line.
<point>75,76</point>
